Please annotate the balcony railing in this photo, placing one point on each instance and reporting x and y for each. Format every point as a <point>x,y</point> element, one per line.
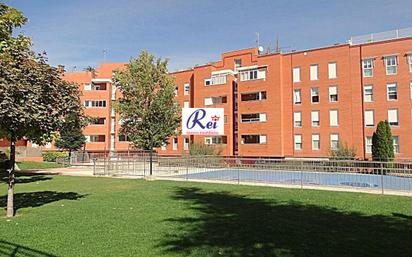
<point>381,36</point>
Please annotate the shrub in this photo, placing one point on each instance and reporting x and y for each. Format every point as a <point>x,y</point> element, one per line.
<point>343,152</point>
<point>202,149</point>
<point>52,156</point>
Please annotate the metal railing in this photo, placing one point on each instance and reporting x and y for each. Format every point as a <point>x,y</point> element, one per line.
<point>381,36</point>
<point>382,177</point>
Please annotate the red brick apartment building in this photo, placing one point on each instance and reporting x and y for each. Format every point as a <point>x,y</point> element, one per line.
<point>284,105</point>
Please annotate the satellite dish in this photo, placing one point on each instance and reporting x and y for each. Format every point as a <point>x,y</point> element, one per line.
<point>260,49</point>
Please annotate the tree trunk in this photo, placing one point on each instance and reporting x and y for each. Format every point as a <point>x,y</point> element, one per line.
<point>151,161</point>
<point>10,191</point>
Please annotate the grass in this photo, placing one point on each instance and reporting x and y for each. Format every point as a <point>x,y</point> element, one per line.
<point>28,165</point>
<point>80,216</point>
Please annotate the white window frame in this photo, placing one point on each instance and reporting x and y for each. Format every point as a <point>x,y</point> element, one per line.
<point>186,104</point>
<point>331,124</point>
<point>253,74</point>
<point>410,62</point>
<point>175,143</point>
<point>333,90</point>
<point>297,119</point>
<point>298,142</point>
<point>314,72</point>
<point>297,96</point>
<point>315,138</point>
<point>395,113</point>
<point>365,99</point>
<point>186,143</point>
<point>367,65</point>
<point>296,75</point>
<point>369,117</point>
<point>261,117</point>
<point>395,93</point>
<point>334,138</point>
<point>368,145</point>
<point>391,62</point>
<point>186,89</point>
<point>396,144</point>
<point>315,118</point>
<point>312,94</point>
<point>332,70</point>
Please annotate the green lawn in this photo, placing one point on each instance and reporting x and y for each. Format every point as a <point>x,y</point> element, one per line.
<point>73,216</point>
<point>27,165</point>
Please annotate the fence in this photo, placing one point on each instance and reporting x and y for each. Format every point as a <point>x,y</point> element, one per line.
<point>382,177</point>
<point>381,36</point>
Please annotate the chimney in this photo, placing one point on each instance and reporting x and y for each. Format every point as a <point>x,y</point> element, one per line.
<point>60,68</point>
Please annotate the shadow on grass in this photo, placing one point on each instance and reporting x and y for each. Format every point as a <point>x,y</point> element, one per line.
<point>39,198</point>
<point>11,250</point>
<point>26,177</point>
<point>233,225</point>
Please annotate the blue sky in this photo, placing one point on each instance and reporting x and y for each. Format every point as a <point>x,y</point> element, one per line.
<point>75,32</point>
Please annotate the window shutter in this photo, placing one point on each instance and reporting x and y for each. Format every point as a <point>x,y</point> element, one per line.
<point>393,116</point>
<point>262,139</point>
<point>333,118</point>
<point>314,72</point>
<point>88,87</point>
<point>208,101</point>
<point>369,119</point>
<point>297,116</point>
<point>296,74</point>
<point>261,74</point>
<point>315,116</point>
<point>333,90</point>
<point>332,70</point>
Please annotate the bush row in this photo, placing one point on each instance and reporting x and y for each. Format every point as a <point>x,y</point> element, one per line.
<point>52,156</point>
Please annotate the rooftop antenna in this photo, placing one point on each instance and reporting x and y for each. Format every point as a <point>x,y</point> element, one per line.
<point>257,39</point>
<point>104,55</point>
<point>277,44</point>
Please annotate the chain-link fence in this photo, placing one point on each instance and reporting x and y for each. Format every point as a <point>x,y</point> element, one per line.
<point>383,177</point>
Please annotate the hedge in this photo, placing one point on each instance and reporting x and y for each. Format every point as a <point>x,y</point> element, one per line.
<point>52,156</point>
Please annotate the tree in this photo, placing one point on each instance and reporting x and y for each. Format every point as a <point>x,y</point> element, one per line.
<point>34,100</point>
<point>148,107</point>
<point>382,143</point>
<point>343,152</point>
<point>70,136</point>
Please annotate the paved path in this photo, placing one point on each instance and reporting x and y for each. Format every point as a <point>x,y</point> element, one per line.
<point>69,171</point>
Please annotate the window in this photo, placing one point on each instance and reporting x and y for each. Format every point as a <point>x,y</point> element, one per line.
<point>333,118</point>
<point>391,63</point>
<point>238,63</point>
<point>98,86</point>
<point>297,119</point>
<point>186,144</point>
<point>368,93</point>
<point>410,62</point>
<point>253,117</point>
<point>87,87</point>
<point>410,85</point>
<point>334,141</point>
<point>217,140</point>
<point>123,138</point>
<point>95,103</point>
<point>208,82</point>
<point>163,147</point>
<point>332,70</point>
<point>314,72</point>
<point>367,67</point>
<point>315,142</point>
<point>297,96</point>
<point>368,145</point>
<point>186,104</point>
<point>187,89</point>
<point>298,142</point>
<point>253,74</point>
<point>175,142</point>
<point>369,118</point>
<point>333,94</point>
<point>392,92</point>
<point>99,121</point>
<point>253,139</point>
<point>396,147</point>
<point>314,92</point>
<point>176,90</point>
<point>253,96</point>
<point>296,74</point>
<point>393,117</point>
<point>96,138</point>
<point>219,79</point>
<point>315,119</point>
<point>215,100</point>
